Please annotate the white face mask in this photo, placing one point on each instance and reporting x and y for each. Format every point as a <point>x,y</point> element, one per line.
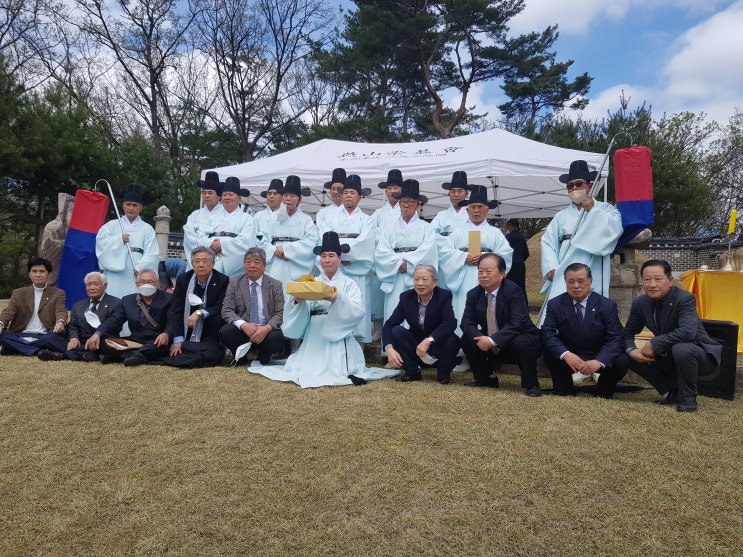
<point>194,300</point>
<point>577,196</point>
<point>92,319</point>
<point>147,290</point>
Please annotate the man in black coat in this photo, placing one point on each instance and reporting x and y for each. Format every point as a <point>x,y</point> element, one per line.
<point>86,316</point>
<point>146,314</point>
<point>517,241</point>
<point>671,361</point>
<point>430,338</point>
<point>496,327</point>
<point>582,334</point>
<point>195,313</point>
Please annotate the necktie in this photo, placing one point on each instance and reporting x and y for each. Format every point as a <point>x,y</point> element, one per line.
<point>254,318</point>
<point>579,314</point>
<point>93,306</point>
<point>656,315</point>
<point>490,315</point>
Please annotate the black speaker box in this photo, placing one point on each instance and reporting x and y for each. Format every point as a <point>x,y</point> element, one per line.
<point>721,382</point>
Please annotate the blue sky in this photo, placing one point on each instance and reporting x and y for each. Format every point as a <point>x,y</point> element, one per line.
<point>677,55</point>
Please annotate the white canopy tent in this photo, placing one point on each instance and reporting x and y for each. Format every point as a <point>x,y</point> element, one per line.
<point>523,173</point>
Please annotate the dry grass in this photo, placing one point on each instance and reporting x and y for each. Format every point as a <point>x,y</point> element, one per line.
<point>107,460</point>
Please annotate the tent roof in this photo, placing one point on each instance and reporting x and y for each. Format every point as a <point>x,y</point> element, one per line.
<point>524,172</point>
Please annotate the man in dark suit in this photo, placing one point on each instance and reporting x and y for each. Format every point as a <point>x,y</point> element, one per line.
<point>195,313</point>
<point>253,319</point>
<point>146,314</point>
<point>35,314</point>
<point>430,338</point>
<point>496,327</point>
<point>582,335</point>
<point>671,361</point>
<point>86,316</point>
<point>517,241</point>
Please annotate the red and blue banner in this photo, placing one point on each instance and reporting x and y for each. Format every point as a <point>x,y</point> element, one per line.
<point>78,253</point>
<point>633,187</point>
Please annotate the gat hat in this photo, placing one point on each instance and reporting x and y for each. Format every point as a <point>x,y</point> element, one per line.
<point>394,178</point>
<point>458,180</point>
<point>353,182</point>
<point>293,186</point>
<point>479,194</point>
<point>275,185</point>
<point>579,170</point>
<point>232,184</point>
<point>211,182</point>
<point>133,192</point>
<point>339,177</point>
<point>330,242</point>
<point>411,189</point>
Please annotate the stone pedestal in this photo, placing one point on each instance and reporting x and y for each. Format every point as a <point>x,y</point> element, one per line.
<point>162,230</point>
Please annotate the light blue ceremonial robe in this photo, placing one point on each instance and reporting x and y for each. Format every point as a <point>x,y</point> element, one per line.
<point>360,258</point>
<point>325,214</point>
<point>592,245</point>
<point>443,225</point>
<point>417,234</point>
<point>299,254</point>
<point>199,223</point>
<point>238,222</point>
<point>114,260</point>
<point>384,217</point>
<point>329,352</point>
<point>460,277</point>
<point>262,221</point>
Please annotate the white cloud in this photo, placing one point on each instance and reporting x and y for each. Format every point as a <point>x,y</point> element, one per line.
<point>577,16</point>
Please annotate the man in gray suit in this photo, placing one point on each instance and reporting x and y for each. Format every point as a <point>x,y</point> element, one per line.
<point>253,310</point>
<point>672,360</point>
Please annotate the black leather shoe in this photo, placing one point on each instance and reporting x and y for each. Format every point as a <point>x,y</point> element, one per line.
<point>561,393</point>
<point>445,381</point>
<point>90,357</point>
<point>690,406</point>
<point>49,356</point>
<point>534,391</point>
<point>409,378</point>
<point>108,359</point>
<point>670,399</point>
<point>491,382</point>
<point>133,362</point>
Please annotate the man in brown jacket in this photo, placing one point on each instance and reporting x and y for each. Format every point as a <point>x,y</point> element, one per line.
<point>34,314</point>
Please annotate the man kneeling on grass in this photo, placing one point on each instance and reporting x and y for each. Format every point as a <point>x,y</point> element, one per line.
<point>146,313</point>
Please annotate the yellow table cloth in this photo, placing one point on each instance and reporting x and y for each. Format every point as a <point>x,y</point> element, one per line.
<point>719,296</point>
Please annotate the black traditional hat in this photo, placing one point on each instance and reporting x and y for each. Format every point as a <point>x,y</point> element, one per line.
<point>411,189</point>
<point>339,177</point>
<point>293,185</point>
<point>211,182</point>
<point>275,185</point>
<point>458,180</point>
<point>232,184</point>
<point>579,171</point>
<point>133,192</point>
<point>353,182</point>
<point>330,242</point>
<point>394,178</point>
<point>478,194</point>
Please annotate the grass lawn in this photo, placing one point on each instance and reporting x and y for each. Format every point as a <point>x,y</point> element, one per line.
<point>108,460</point>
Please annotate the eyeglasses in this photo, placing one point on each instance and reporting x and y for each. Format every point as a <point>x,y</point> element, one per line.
<point>408,201</point>
<point>152,282</point>
<point>576,184</point>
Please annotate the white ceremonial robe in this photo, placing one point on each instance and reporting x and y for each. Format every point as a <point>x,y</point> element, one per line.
<point>301,259</point>
<point>417,234</point>
<point>329,352</point>
<point>443,224</point>
<point>325,214</point>
<point>199,224</point>
<point>460,277</point>
<point>592,244</point>
<point>114,260</point>
<point>360,258</point>
<point>231,262</point>
<point>384,217</point>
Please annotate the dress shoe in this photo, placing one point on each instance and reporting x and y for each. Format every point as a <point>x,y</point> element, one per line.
<point>108,359</point>
<point>357,381</point>
<point>90,357</point>
<point>49,356</point>
<point>445,381</point>
<point>409,378</point>
<point>133,361</point>
<point>491,382</point>
<point>534,391</point>
<point>691,407</point>
<point>670,399</point>
<point>561,393</point>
